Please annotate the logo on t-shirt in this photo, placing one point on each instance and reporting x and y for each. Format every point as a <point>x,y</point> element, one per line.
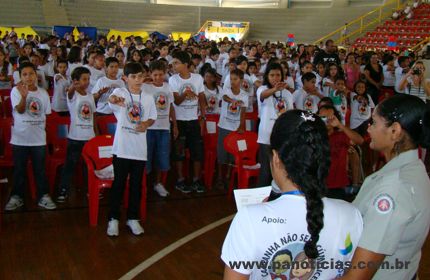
<point>212,103</point>
<point>348,246</point>
<point>287,260</point>
<point>161,101</point>
<point>280,105</point>
<point>34,107</point>
<point>189,87</point>
<point>246,85</point>
<point>233,108</point>
<point>308,104</point>
<point>134,112</point>
<point>84,111</point>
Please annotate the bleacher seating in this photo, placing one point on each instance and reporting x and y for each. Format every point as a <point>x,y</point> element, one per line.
<point>407,33</point>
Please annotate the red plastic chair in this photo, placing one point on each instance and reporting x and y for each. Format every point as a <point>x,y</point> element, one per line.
<point>57,130</point>
<point>106,124</point>
<point>5,103</point>
<point>246,165</point>
<point>95,162</point>
<point>210,141</point>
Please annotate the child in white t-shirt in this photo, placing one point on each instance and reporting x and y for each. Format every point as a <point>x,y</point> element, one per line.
<point>61,84</point>
<point>301,225</point>
<point>135,111</point>
<point>121,60</point>
<point>307,97</point>
<point>158,135</point>
<point>247,84</point>
<point>97,70</point>
<point>274,100</point>
<point>213,57</point>
<point>213,92</point>
<point>82,108</point>
<point>361,108</point>
<point>306,67</point>
<point>5,71</point>
<point>106,85</point>
<point>340,96</point>
<point>189,96</point>
<point>232,118</point>
<point>30,106</point>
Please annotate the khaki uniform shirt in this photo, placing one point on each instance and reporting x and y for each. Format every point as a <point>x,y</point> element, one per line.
<point>395,204</point>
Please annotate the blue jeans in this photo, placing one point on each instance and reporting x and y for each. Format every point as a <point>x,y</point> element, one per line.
<point>20,158</point>
<point>74,151</point>
<point>158,145</point>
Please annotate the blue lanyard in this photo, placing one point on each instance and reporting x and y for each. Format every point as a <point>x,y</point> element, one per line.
<point>292,192</point>
<point>132,101</point>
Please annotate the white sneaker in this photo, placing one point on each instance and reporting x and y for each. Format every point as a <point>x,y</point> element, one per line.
<point>46,202</point>
<point>135,227</point>
<point>161,190</point>
<point>112,229</point>
<point>14,203</point>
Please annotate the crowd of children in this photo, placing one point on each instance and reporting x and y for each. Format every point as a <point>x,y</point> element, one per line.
<point>162,91</point>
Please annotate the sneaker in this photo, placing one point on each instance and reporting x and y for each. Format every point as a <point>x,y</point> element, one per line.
<point>14,203</point>
<point>112,229</point>
<point>161,190</point>
<point>198,187</point>
<point>62,197</point>
<point>181,186</point>
<point>46,202</point>
<point>135,227</point>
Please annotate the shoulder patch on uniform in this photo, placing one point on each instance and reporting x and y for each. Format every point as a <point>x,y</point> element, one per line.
<point>384,203</point>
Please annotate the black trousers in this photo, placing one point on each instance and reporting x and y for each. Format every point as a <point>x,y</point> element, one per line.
<point>122,168</point>
<point>265,176</point>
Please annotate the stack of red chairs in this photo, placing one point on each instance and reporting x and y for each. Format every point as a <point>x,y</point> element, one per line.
<point>210,141</point>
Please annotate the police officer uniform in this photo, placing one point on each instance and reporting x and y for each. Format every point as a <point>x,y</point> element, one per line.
<point>394,203</point>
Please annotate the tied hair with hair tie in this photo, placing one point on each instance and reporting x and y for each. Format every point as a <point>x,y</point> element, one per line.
<point>301,141</point>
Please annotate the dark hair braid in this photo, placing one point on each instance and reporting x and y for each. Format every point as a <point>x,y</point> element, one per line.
<point>303,148</point>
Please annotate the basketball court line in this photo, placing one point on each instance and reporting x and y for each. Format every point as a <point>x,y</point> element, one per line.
<point>172,247</point>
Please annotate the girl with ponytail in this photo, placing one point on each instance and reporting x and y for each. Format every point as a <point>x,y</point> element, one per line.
<point>301,220</point>
<point>395,200</point>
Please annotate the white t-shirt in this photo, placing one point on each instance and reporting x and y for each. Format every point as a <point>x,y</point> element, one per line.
<point>270,109</point>
<point>220,63</point>
<point>103,103</point>
<point>327,90</point>
<point>187,110</point>
<point>29,128</point>
<point>213,99</point>
<point>360,112</point>
<point>289,81</point>
<point>96,74</point>
<point>128,143</point>
<point>230,115</point>
<point>248,87</point>
<point>389,78</point>
<point>275,232</point>
<point>163,99</point>
<point>82,109</point>
<point>305,101</point>
<point>398,76</point>
<point>59,100</point>
<point>211,62</point>
<point>73,66</point>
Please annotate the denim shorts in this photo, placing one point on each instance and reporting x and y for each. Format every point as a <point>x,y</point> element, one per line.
<point>158,145</point>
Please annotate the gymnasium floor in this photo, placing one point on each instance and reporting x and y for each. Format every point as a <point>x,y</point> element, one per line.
<point>182,240</point>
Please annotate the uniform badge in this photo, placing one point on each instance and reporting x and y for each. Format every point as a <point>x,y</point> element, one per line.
<point>384,203</point>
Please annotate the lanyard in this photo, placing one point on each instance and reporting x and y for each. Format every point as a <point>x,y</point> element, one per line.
<point>132,101</point>
<point>292,192</point>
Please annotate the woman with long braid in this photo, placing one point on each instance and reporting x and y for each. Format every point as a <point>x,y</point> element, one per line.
<point>264,239</point>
